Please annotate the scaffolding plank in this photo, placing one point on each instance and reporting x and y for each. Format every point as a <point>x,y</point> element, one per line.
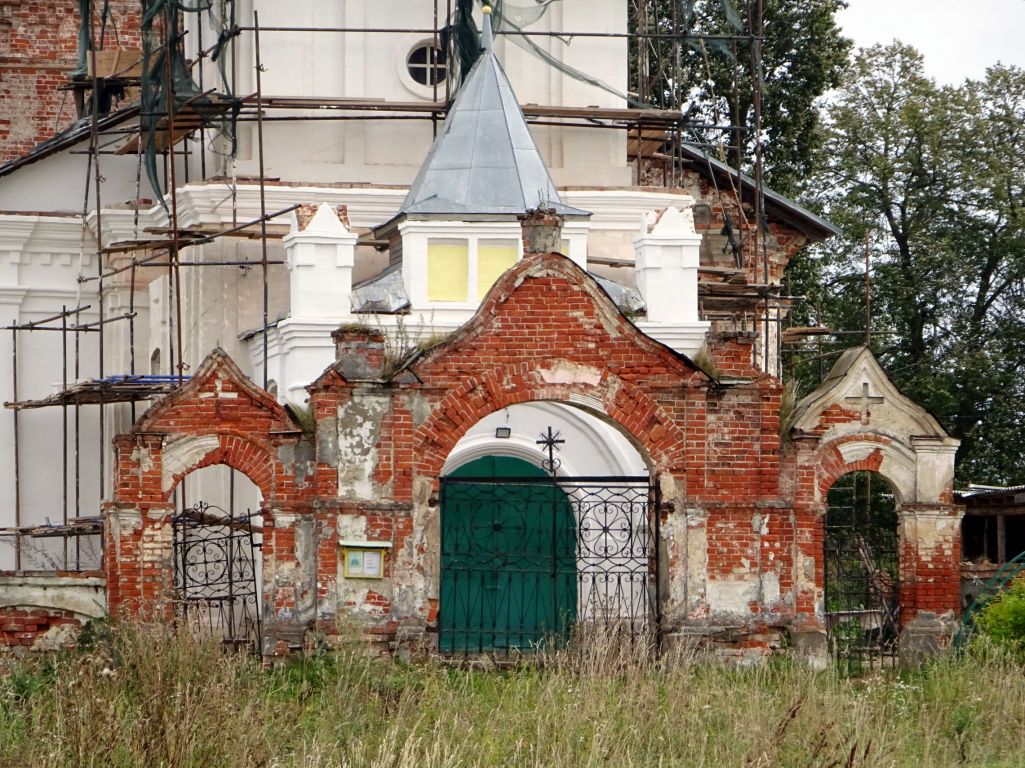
<point>82,526</point>
<point>124,389</point>
<point>186,121</point>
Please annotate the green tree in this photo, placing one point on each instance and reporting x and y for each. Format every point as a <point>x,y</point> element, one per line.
<point>802,55</point>
<point>932,180</point>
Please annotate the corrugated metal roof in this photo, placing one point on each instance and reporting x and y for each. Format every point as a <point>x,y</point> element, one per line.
<point>980,491</point>
<point>484,161</point>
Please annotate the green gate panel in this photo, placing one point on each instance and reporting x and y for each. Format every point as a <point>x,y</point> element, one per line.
<point>508,558</point>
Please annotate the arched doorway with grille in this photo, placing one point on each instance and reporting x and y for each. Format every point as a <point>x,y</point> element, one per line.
<point>532,549</point>
<point>862,572</point>
<point>217,536</point>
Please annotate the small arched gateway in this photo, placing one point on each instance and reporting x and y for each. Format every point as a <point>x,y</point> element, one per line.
<point>217,418</point>
<point>353,513</point>
<point>896,573</point>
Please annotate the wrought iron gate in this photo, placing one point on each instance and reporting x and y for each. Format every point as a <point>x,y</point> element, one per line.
<point>525,560</point>
<point>862,589</point>
<point>215,575</point>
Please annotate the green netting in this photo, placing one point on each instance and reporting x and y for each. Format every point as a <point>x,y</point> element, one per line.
<point>512,17</point>
<point>169,83</point>
<point>84,38</point>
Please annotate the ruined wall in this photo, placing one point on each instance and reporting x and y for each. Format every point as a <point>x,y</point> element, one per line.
<point>546,333</point>
<point>46,611</point>
<point>741,513</point>
<point>38,52</point>
<point>384,430</point>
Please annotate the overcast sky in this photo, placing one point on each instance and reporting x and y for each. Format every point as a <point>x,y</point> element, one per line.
<point>958,39</point>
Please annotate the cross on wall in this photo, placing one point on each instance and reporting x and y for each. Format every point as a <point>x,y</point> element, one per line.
<point>864,401</point>
<point>551,441</point>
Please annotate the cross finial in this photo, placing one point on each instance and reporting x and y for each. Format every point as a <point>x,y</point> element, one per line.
<point>551,442</point>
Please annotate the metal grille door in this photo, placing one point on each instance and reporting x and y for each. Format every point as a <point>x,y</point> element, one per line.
<point>215,575</point>
<point>862,589</point>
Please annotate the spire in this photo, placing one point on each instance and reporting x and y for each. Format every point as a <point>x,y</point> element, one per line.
<point>484,162</point>
<point>487,39</point>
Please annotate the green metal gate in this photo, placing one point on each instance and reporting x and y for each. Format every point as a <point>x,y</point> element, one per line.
<point>526,556</point>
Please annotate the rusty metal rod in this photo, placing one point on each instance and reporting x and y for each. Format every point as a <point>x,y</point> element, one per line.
<point>512,33</point>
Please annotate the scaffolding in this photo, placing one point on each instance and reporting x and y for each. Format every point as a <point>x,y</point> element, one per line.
<point>173,118</point>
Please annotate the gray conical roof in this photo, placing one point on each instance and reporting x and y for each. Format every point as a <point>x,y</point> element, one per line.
<point>485,160</point>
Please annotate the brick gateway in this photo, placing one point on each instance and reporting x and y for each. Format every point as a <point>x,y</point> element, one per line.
<point>741,505</point>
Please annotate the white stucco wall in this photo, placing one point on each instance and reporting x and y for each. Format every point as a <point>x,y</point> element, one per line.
<point>360,65</point>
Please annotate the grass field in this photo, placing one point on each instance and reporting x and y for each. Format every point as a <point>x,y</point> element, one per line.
<point>146,698</point>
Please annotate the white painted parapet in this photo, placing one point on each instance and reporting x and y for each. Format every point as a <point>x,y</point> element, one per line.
<point>667,265</point>
<point>667,256</point>
<point>320,252</point>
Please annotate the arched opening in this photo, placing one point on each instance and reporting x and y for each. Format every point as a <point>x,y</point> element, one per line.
<point>540,537</point>
<point>591,445</point>
<point>217,534</point>
<point>862,570</point>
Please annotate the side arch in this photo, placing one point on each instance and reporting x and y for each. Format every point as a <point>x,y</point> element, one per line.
<point>187,454</point>
<point>866,452</point>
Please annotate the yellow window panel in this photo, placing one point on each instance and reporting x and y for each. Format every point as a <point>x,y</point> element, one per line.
<point>447,268</point>
<point>492,261</point>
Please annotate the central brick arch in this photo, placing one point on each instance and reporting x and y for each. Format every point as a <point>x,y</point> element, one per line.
<point>548,331</point>
<point>624,405</point>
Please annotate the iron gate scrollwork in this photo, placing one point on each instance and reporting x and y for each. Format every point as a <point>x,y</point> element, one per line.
<point>215,582</point>
<point>526,560</point>
<point>862,589</point>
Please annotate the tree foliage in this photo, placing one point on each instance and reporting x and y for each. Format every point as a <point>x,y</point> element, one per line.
<point>931,179</point>
<point>802,55</point>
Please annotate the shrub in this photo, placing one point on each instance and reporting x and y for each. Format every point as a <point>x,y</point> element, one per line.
<point>1003,619</point>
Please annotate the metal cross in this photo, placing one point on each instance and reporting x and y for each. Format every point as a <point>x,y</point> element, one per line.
<point>551,442</point>
<point>864,400</point>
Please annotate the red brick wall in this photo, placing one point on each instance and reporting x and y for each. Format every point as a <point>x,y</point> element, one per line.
<point>30,628</point>
<point>38,50</point>
<point>546,332</point>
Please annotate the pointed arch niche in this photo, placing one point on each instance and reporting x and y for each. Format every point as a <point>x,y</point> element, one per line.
<point>857,420</point>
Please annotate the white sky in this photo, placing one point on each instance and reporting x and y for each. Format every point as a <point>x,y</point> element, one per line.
<point>959,39</point>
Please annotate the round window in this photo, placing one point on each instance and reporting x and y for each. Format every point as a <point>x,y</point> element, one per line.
<point>427,65</point>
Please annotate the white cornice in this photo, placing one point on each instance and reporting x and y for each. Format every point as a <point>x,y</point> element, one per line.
<point>368,206</point>
<point>622,208</point>
<point>119,223</point>
<point>40,233</point>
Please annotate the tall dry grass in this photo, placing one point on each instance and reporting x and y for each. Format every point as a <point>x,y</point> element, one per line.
<point>145,697</point>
